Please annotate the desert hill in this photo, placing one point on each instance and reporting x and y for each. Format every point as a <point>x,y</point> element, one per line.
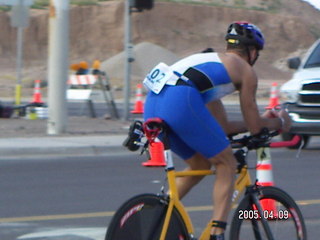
<point>96,32</point>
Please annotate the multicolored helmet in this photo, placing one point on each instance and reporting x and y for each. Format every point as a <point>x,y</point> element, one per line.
<point>245,33</point>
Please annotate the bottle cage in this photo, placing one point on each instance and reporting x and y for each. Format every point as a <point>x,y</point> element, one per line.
<point>133,141</point>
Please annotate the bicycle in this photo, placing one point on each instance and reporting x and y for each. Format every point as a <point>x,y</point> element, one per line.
<point>163,217</point>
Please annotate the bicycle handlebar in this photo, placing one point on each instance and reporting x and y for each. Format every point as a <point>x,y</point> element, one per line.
<point>294,141</point>
<point>252,142</point>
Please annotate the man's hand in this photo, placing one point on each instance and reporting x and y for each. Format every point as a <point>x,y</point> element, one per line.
<point>270,114</point>
<point>283,115</point>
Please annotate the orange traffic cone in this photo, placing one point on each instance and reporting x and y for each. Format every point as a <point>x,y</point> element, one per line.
<point>138,107</point>
<point>156,155</point>
<point>37,97</point>
<point>274,97</point>
<point>265,178</point>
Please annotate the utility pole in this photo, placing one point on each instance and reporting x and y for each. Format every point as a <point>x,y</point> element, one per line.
<point>130,6</point>
<point>58,62</point>
<point>128,58</point>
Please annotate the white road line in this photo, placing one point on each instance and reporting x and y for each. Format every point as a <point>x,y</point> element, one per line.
<point>91,233</point>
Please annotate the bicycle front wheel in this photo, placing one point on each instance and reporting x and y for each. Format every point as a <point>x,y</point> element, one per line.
<point>142,217</point>
<point>283,217</point>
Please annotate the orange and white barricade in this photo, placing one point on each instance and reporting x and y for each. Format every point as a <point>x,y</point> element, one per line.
<point>81,88</point>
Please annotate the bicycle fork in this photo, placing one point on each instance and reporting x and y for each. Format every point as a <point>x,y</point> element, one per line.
<point>254,193</point>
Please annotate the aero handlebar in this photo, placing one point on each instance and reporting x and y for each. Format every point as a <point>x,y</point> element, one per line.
<point>294,141</point>
<point>252,142</point>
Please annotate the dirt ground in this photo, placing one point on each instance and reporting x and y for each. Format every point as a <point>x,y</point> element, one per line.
<point>96,32</point>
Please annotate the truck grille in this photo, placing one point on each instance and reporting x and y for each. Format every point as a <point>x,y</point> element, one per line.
<point>310,93</point>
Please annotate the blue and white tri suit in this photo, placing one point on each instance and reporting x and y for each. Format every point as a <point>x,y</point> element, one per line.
<point>183,106</point>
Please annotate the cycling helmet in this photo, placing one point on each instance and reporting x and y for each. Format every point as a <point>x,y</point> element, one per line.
<point>245,33</point>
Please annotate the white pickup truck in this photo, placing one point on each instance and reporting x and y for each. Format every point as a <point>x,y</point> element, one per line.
<point>301,95</point>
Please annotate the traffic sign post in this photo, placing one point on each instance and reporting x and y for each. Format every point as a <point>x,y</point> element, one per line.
<point>20,20</point>
<point>20,15</point>
<point>16,2</point>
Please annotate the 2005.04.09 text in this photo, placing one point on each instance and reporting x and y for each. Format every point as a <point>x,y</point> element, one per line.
<point>254,214</point>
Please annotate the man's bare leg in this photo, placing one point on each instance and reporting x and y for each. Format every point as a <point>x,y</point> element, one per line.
<point>225,165</point>
<point>196,162</point>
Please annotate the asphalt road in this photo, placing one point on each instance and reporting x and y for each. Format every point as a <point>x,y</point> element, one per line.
<point>74,198</point>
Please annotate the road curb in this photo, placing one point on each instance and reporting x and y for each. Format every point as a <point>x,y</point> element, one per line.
<point>61,152</point>
<point>61,146</point>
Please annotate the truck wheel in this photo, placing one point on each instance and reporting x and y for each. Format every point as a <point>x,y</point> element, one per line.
<point>304,138</point>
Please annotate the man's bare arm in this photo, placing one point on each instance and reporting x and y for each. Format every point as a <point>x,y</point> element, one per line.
<point>230,127</point>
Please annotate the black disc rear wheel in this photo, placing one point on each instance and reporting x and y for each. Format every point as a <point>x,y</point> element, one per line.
<point>142,217</point>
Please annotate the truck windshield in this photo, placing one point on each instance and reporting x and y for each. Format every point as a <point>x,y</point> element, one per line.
<point>314,59</point>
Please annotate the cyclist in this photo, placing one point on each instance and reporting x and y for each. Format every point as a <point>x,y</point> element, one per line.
<point>187,96</point>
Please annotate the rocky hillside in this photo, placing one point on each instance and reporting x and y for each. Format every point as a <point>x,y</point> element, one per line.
<point>96,32</point>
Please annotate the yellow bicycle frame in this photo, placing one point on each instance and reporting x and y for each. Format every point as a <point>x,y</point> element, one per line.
<point>243,180</point>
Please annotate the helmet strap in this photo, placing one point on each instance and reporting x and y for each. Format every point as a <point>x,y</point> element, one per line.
<point>250,60</point>
<point>248,55</point>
